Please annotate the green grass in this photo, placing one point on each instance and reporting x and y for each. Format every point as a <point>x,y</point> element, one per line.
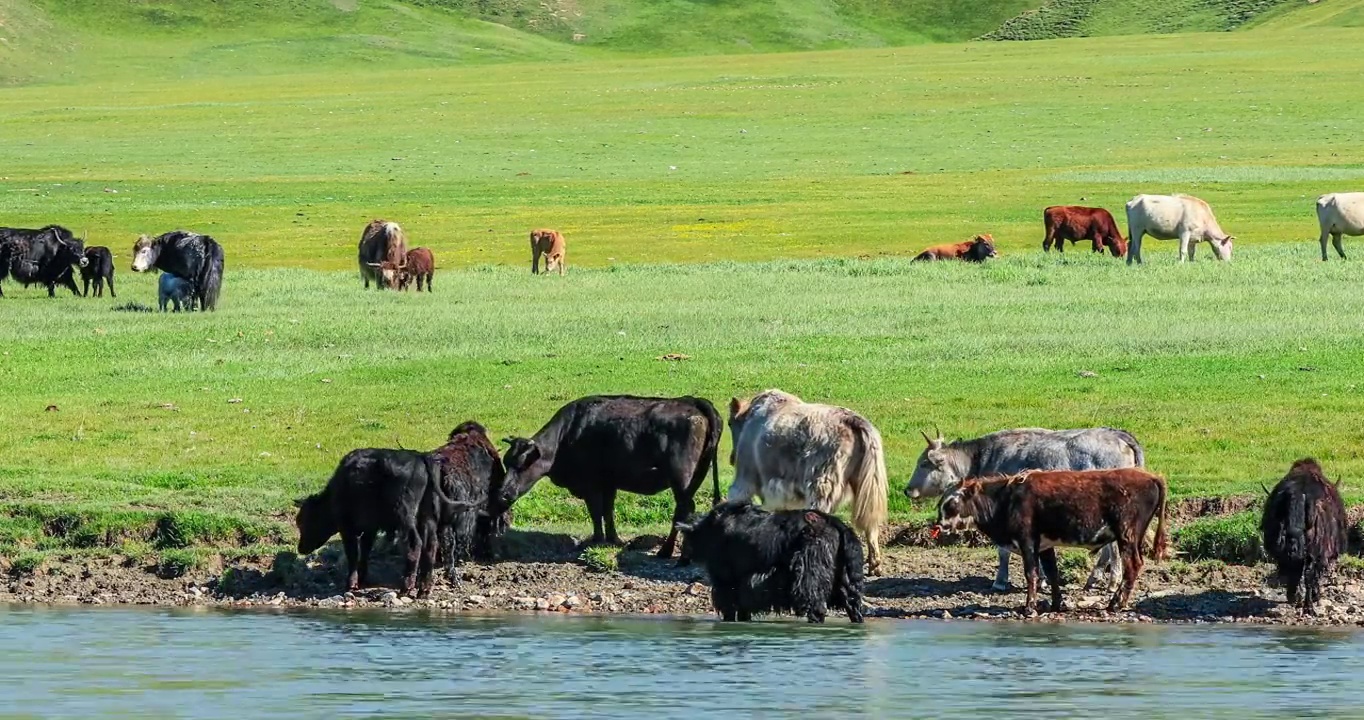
<point>753,212</point>
<point>148,445</point>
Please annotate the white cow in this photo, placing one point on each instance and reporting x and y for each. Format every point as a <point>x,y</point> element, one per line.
<point>1170,217</point>
<point>1340,214</point>
<point>796,455</point>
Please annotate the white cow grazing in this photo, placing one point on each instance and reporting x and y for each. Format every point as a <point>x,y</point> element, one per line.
<point>1170,217</point>
<point>1340,214</point>
<point>796,455</point>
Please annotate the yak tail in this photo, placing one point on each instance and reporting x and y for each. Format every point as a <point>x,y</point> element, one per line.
<point>869,483</point>
<point>210,280</point>
<point>1293,542</point>
<point>715,427</point>
<point>848,575</point>
<point>1138,452</point>
<point>1160,550</point>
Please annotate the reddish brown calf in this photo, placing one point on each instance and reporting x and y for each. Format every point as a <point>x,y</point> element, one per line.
<point>977,249</point>
<point>1076,222</point>
<point>551,244</point>
<point>1039,511</point>
<point>421,265</point>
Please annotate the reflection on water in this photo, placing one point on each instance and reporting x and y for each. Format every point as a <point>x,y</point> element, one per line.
<point>81,663</point>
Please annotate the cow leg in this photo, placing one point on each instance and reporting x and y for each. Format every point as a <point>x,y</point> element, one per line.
<point>608,509</point>
<point>1002,573</point>
<point>366,550</point>
<point>426,570</point>
<point>1131,568</point>
<point>1134,247</point>
<point>1048,560</point>
<point>351,542</point>
<point>684,506</point>
<point>1324,235</point>
<point>85,282</point>
<point>1106,565</point>
<point>594,502</point>
<point>1291,581</point>
<point>1338,241</point>
<point>413,541</point>
<point>110,280</point>
<point>1028,549</point>
<point>1183,247</point>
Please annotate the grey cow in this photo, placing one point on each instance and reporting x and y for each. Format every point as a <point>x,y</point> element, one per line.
<point>943,465</point>
<point>177,290</point>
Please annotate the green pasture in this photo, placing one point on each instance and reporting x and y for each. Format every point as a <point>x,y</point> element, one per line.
<point>752,212</point>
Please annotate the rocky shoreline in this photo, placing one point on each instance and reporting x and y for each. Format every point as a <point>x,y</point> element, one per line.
<point>942,583</point>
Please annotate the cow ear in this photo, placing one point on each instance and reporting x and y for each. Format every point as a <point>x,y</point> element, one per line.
<point>734,407</point>
<point>509,441</point>
<point>298,502</point>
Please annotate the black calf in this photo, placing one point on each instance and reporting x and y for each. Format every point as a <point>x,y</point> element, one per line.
<point>800,561</point>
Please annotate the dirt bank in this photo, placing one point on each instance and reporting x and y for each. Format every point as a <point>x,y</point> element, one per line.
<point>543,573</point>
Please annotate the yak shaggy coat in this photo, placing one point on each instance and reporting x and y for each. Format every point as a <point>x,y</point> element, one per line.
<point>797,455</point>
<point>1304,531</point>
<point>800,561</point>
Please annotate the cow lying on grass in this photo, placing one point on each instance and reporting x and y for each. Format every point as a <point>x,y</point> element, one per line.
<point>1040,511</point>
<point>374,491</point>
<point>978,249</point>
<point>798,561</point>
<point>1304,531</point>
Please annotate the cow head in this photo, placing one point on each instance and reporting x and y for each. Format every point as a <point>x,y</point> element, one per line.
<point>702,534</point>
<point>389,272</point>
<point>935,471</point>
<point>526,463</point>
<point>1222,248</point>
<point>145,252</point>
<point>955,508</point>
<point>738,415</point>
<point>315,523</point>
<point>982,248</point>
<point>1117,246</point>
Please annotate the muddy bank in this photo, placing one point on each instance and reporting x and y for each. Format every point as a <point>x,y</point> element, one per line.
<point>543,573</point>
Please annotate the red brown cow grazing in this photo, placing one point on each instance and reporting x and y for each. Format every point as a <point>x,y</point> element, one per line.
<point>383,247</point>
<point>551,244</point>
<point>1039,511</point>
<point>421,265</point>
<point>1075,223</point>
<point>977,249</point>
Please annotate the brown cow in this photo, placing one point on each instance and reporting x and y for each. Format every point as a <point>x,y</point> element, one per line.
<point>421,265</point>
<point>1038,511</point>
<point>1076,222</point>
<point>977,249</point>
<point>549,243</point>
<point>383,247</point>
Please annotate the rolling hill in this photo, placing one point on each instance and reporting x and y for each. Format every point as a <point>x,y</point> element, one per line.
<point>92,40</point>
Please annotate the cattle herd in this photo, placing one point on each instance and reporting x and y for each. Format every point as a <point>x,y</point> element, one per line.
<point>1028,490</point>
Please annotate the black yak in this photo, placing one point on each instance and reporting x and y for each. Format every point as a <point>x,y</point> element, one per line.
<point>596,446</point>
<point>198,259</point>
<point>799,561</point>
<point>472,472</point>
<point>43,256</point>
<point>383,248</point>
<point>98,270</point>
<point>1304,531</point>
<point>373,491</point>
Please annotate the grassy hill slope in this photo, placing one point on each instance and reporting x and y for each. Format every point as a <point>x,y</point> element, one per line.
<point>71,40</point>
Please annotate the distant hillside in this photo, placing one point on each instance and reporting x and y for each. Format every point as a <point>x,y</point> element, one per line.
<point>57,40</point>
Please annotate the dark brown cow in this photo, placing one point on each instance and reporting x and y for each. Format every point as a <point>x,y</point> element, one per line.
<point>420,265</point>
<point>1304,530</point>
<point>552,245</point>
<point>1039,511</point>
<point>977,249</point>
<point>383,247</point>
<point>1076,222</point>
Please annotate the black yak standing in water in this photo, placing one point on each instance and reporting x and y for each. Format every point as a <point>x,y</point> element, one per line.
<point>1304,531</point>
<point>800,561</point>
<point>196,258</point>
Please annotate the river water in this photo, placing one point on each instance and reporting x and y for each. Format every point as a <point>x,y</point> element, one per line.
<point>82,663</point>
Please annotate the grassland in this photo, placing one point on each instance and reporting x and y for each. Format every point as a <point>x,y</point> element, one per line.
<point>754,213</point>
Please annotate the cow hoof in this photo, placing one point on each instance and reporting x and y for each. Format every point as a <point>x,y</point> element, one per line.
<point>1002,588</point>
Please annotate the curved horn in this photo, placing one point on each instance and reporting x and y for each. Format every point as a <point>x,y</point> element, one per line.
<point>937,432</point>
<point>927,439</point>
